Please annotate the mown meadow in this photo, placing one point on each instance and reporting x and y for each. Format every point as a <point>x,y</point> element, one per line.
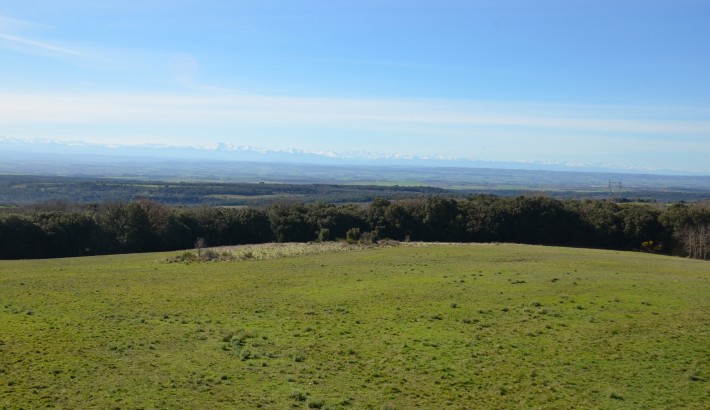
<point>399,327</point>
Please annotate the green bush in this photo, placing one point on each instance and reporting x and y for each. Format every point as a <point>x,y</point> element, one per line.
<point>324,235</point>
<point>353,235</point>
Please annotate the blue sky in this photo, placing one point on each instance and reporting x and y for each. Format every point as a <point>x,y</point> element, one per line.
<point>624,83</point>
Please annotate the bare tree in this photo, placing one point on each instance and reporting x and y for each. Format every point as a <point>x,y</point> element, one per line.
<point>696,240</point>
<point>704,241</point>
<point>200,244</point>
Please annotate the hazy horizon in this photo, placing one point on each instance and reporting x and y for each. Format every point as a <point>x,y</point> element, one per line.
<point>61,152</point>
<point>617,84</point>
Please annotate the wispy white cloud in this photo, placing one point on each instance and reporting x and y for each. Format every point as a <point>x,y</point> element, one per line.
<point>467,117</point>
<point>14,37</point>
<point>27,37</point>
<point>10,39</point>
<point>12,25</point>
<point>31,46</point>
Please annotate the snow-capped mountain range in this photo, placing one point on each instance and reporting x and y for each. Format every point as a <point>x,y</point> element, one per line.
<point>15,149</point>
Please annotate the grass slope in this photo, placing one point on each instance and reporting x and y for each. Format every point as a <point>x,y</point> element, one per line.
<point>478,326</point>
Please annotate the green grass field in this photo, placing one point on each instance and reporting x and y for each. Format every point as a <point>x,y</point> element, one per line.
<point>436,327</point>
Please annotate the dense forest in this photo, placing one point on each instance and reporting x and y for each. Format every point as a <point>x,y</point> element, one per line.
<point>60,229</point>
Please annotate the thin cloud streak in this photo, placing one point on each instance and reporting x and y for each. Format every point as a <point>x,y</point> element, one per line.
<point>315,112</point>
<point>22,44</point>
<point>33,46</point>
<point>11,40</point>
<point>8,24</point>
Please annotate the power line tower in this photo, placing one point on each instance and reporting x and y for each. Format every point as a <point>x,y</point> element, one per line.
<point>615,190</point>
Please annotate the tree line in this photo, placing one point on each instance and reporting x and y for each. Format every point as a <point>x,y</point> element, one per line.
<point>63,229</point>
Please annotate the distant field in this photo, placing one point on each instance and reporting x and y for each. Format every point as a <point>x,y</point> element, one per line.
<point>263,184</point>
<point>25,189</point>
<point>435,326</point>
<point>242,197</point>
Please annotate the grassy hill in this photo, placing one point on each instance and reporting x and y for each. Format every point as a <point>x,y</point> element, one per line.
<point>455,326</point>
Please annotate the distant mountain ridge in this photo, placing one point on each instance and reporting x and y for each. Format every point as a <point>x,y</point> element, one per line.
<point>14,149</point>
